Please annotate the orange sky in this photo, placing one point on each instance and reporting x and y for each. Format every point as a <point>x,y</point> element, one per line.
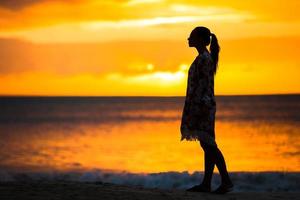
<point>139,47</point>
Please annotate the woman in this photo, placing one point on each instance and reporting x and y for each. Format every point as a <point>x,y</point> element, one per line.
<point>198,117</point>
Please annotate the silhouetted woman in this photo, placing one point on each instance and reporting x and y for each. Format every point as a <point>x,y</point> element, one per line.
<point>198,117</point>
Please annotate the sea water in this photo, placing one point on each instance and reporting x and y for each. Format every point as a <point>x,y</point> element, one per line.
<point>136,140</point>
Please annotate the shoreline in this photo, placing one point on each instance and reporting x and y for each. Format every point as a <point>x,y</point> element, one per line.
<point>265,181</point>
<point>110,191</point>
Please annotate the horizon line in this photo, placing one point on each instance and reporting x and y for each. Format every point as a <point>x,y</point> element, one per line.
<point>20,95</point>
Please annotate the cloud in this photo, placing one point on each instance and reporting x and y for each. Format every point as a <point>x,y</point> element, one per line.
<point>126,57</point>
<point>137,2</point>
<point>163,77</point>
<point>142,57</point>
<point>265,10</point>
<point>155,27</point>
<point>89,67</point>
<point>163,20</point>
<point>17,5</point>
<point>158,28</point>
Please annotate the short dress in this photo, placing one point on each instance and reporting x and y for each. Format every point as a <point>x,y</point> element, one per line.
<point>198,115</point>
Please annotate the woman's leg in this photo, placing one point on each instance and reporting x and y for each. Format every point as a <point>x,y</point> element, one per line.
<point>205,186</point>
<point>221,165</point>
<point>213,155</point>
<point>209,165</point>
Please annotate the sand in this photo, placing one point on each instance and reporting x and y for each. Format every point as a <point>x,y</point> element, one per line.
<point>98,190</point>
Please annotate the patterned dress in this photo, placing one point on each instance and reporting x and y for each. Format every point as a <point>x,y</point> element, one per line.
<point>198,116</point>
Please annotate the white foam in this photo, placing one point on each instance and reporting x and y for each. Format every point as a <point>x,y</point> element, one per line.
<point>243,181</point>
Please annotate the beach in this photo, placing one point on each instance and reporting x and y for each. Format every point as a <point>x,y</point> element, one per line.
<point>101,190</point>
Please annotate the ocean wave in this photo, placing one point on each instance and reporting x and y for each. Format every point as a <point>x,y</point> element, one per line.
<point>243,181</point>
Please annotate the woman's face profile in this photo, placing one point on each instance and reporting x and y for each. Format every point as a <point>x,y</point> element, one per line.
<point>194,40</point>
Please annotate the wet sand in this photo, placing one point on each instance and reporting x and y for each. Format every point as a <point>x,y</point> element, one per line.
<point>99,190</point>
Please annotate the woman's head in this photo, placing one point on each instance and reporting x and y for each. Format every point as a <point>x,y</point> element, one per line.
<point>201,37</point>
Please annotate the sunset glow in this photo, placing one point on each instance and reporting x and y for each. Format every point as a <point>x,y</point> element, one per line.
<point>126,150</point>
<point>139,47</point>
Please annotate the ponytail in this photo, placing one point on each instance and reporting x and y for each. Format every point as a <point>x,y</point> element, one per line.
<point>214,51</point>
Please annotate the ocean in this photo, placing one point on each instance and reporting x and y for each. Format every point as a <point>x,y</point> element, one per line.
<point>136,141</point>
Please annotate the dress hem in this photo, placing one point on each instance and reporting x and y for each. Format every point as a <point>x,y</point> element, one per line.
<point>193,135</point>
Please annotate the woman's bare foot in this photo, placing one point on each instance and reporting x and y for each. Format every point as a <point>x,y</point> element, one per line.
<point>223,188</point>
<point>199,188</point>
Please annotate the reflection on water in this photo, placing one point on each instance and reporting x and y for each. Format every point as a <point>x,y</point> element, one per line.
<point>259,133</point>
